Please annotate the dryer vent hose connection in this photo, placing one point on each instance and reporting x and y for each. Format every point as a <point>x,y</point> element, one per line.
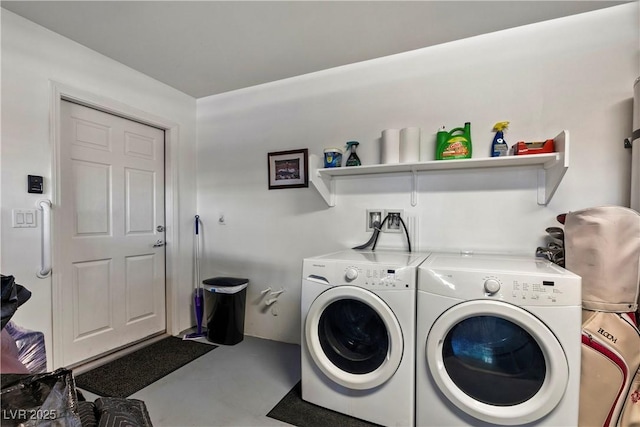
<point>377,227</point>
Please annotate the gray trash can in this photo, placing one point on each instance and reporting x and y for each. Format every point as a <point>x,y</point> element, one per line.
<point>225,301</point>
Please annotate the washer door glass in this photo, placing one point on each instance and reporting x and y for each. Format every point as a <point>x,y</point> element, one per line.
<point>497,362</point>
<point>493,360</point>
<point>353,337</point>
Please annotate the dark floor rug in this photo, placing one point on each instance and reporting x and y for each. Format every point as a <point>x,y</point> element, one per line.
<point>293,410</point>
<point>128,374</point>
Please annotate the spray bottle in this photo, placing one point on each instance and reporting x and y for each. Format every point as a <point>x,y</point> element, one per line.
<point>499,146</point>
<point>353,159</point>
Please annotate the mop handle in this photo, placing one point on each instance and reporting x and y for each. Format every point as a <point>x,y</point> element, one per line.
<point>198,285</point>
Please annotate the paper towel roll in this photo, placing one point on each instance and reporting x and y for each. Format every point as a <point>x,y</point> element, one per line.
<point>390,146</point>
<point>409,145</point>
<point>427,146</point>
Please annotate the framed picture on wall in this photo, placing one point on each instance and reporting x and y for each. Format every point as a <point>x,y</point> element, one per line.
<point>288,169</point>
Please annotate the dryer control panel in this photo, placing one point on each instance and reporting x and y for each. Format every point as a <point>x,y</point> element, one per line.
<point>530,290</point>
<point>519,281</point>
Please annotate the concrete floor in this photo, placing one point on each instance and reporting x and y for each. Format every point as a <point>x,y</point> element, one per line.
<point>229,386</point>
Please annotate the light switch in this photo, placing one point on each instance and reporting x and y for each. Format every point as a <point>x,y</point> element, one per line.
<point>24,218</point>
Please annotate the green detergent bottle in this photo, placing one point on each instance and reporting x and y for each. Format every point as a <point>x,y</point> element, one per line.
<point>455,144</point>
<point>353,159</point>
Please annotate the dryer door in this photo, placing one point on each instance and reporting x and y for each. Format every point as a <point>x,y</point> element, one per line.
<point>497,362</point>
<point>353,337</point>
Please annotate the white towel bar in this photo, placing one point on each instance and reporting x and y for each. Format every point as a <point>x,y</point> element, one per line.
<point>45,269</point>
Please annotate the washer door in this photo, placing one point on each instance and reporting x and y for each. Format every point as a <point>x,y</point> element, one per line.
<point>353,337</point>
<point>497,362</point>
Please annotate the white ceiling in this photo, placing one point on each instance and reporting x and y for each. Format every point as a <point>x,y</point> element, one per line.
<point>208,47</point>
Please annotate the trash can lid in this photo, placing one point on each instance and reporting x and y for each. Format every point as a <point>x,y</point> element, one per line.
<point>225,285</point>
<point>225,281</point>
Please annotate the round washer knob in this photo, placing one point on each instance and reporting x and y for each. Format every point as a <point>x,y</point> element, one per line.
<point>491,286</point>
<point>351,274</point>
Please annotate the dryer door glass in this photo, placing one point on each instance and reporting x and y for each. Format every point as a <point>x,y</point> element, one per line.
<point>353,336</point>
<point>494,360</point>
<point>497,362</point>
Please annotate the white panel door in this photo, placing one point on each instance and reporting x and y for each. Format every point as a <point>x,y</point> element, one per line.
<point>112,258</point>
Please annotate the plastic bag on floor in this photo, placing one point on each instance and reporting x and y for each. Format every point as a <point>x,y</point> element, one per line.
<point>9,357</point>
<point>31,349</point>
<point>43,399</point>
<point>12,296</point>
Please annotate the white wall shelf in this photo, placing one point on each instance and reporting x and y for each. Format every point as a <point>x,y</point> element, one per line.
<point>551,169</point>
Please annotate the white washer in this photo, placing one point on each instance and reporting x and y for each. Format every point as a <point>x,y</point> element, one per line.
<point>498,342</point>
<point>358,332</point>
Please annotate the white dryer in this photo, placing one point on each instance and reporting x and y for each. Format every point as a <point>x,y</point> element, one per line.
<point>498,342</point>
<point>358,331</point>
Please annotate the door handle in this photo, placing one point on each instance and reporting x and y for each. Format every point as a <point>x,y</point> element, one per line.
<point>45,205</point>
<point>317,279</point>
<point>159,243</point>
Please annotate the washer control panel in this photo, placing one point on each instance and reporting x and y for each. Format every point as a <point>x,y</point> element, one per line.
<point>378,276</point>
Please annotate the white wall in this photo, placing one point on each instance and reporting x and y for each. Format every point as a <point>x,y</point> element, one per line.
<point>574,73</point>
<point>32,57</point>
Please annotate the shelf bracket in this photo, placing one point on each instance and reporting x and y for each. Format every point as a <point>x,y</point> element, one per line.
<point>551,174</point>
<point>414,188</point>
<point>324,185</point>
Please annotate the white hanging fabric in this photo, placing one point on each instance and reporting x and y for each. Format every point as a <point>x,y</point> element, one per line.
<point>635,156</point>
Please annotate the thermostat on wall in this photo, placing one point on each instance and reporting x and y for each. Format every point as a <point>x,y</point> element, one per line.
<point>35,184</point>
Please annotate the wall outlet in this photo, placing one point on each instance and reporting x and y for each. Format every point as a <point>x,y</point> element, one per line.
<point>373,215</point>
<point>393,224</point>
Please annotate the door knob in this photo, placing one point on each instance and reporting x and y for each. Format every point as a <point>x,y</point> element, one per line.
<point>159,243</point>
<point>160,228</point>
